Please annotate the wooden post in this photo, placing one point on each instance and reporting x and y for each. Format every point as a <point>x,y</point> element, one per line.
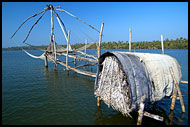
<point>54,52</point>
<point>100,39</point>
<point>129,39</point>
<point>98,101</point>
<point>141,109</point>
<point>98,53</point>
<point>51,37</point>
<point>46,60</point>
<point>178,90</point>
<point>174,96</point>
<point>67,50</point>
<point>162,43</point>
<point>85,47</point>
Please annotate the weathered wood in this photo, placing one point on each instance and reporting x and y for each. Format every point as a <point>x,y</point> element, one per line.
<point>162,43</point>
<point>34,25</point>
<point>156,117</point>
<point>85,48</point>
<point>129,39</point>
<point>88,55</point>
<point>184,82</point>
<point>80,58</point>
<point>46,60</point>
<point>174,97</point>
<point>68,39</point>
<point>79,71</point>
<point>100,39</point>
<point>98,101</point>
<point>178,89</point>
<point>61,22</point>
<point>85,65</point>
<point>78,19</point>
<point>141,109</point>
<point>25,21</point>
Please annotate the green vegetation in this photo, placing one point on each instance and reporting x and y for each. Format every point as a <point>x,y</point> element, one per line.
<point>179,43</point>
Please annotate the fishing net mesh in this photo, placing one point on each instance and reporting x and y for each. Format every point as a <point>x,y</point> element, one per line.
<point>113,88</point>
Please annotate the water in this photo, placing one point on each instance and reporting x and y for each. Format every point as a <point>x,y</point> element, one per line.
<point>34,95</point>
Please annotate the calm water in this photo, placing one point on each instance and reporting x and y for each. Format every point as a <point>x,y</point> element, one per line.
<point>32,94</point>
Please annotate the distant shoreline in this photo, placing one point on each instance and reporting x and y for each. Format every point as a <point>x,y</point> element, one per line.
<point>181,43</point>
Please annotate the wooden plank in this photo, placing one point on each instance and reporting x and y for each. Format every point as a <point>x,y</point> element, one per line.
<point>156,117</point>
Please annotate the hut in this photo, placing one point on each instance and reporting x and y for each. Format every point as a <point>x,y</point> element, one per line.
<point>123,78</point>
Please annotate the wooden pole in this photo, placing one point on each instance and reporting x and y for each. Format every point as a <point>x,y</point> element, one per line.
<point>98,53</point>
<point>162,43</point>
<point>141,109</point>
<point>68,39</point>
<point>174,96</point>
<point>100,39</point>
<point>54,52</point>
<point>85,47</point>
<point>184,82</point>
<point>178,89</point>
<point>129,39</point>
<point>46,60</point>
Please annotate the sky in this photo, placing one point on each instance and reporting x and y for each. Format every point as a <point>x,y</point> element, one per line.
<point>148,20</point>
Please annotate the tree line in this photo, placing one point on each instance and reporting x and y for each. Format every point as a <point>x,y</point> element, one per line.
<point>179,43</point>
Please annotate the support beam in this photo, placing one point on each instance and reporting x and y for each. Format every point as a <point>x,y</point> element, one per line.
<point>156,117</point>
<point>68,39</point>
<point>46,60</point>
<point>141,109</point>
<point>178,90</point>
<point>162,43</point>
<point>85,47</point>
<point>100,39</point>
<point>129,39</point>
<point>98,101</point>
<point>174,97</point>
<point>184,82</point>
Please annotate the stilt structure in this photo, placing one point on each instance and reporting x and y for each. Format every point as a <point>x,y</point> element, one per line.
<point>177,90</point>
<point>110,73</point>
<point>50,54</point>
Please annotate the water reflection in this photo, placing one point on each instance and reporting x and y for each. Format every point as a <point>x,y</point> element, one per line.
<point>173,119</point>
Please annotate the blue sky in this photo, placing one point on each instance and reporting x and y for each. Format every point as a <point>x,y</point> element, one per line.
<point>147,20</point>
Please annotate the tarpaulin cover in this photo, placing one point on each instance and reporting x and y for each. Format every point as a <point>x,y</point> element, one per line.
<point>146,74</point>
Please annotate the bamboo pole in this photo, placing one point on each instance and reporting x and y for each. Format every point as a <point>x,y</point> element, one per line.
<point>67,50</point>
<point>85,47</point>
<point>33,26</point>
<point>162,43</point>
<point>184,82</point>
<point>78,19</point>
<point>79,71</point>
<point>178,89</point>
<point>129,39</point>
<point>100,39</point>
<point>46,60</point>
<point>25,21</point>
<point>156,117</point>
<point>141,109</point>
<point>98,53</point>
<point>60,22</point>
<point>174,96</point>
